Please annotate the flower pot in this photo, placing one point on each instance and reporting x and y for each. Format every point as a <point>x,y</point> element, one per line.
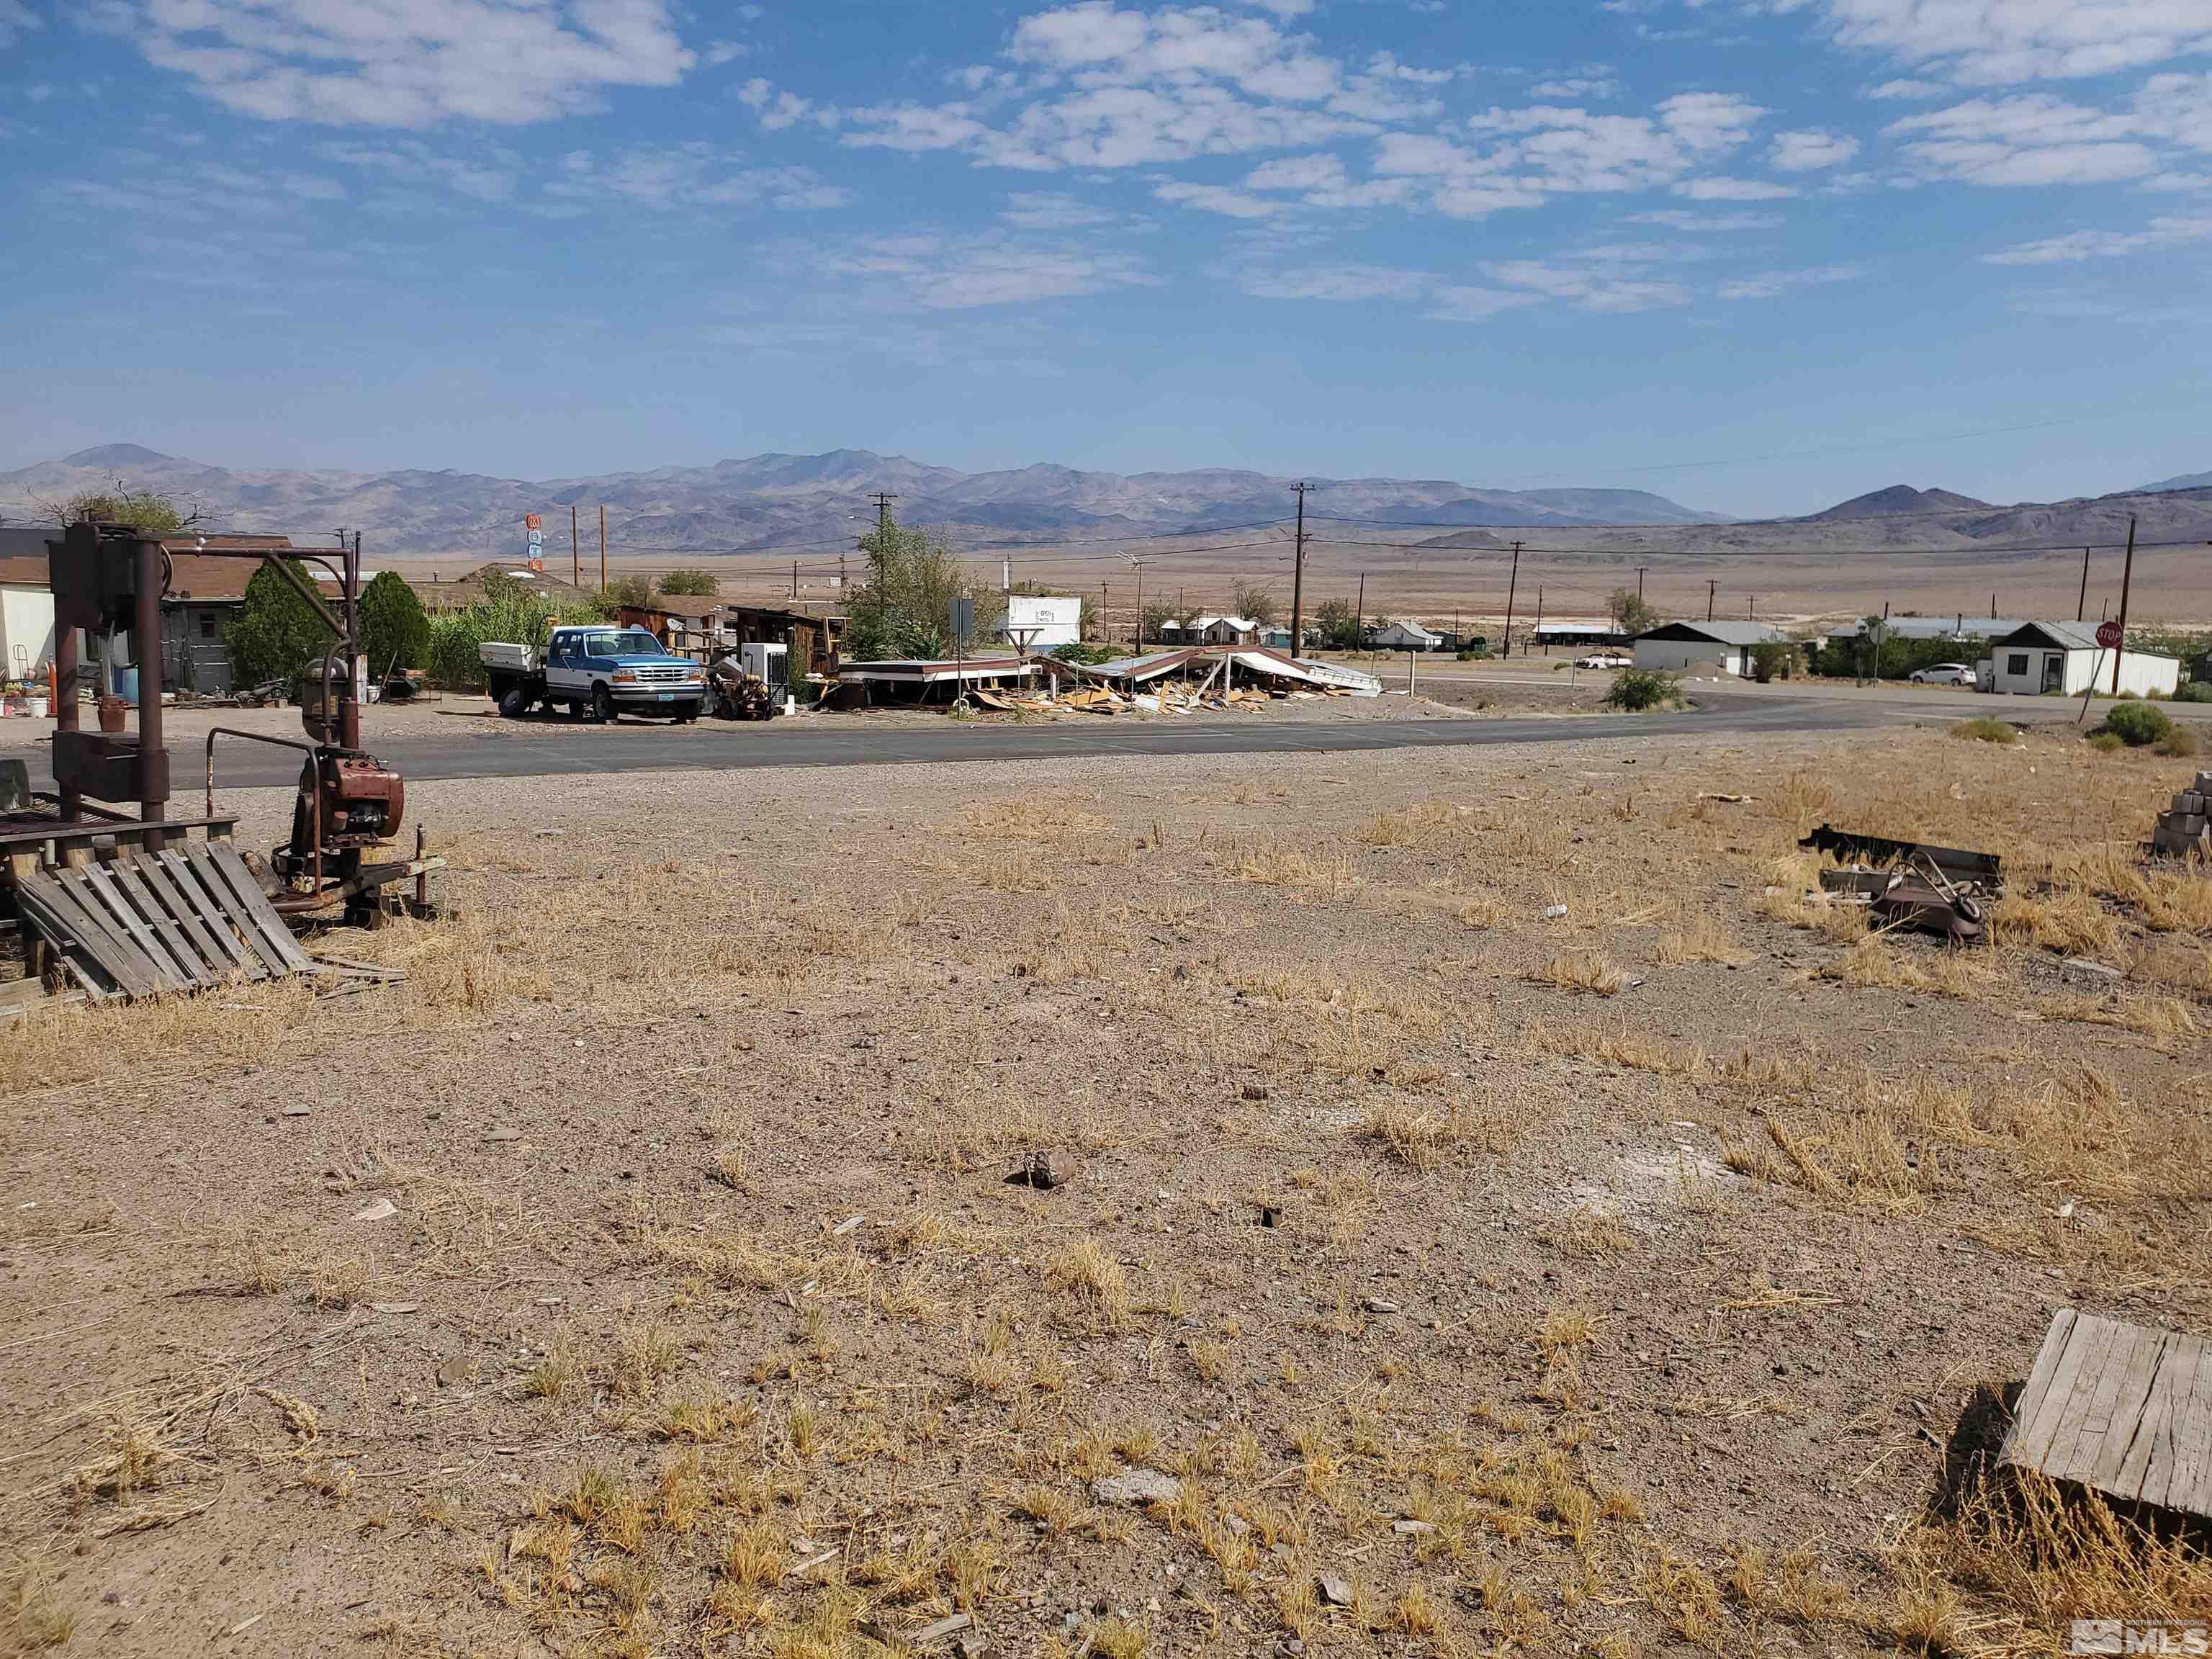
<point>111,713</point>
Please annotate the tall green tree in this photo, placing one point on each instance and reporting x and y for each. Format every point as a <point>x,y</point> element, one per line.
<point>1629,613</point>
<point>903,606</point>
<point>701,584</point>
<point>1339,623</point>
<point>394,631</point>
<point>277,632</point>
<point>623,590</point>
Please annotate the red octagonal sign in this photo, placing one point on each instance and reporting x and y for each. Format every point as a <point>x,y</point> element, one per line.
<point>2109,635</point>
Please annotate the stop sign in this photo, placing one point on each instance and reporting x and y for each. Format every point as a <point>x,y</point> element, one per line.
<point>2109,635</point>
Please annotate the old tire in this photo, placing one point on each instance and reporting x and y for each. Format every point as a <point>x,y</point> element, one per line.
<point>602,705</point>
<point>686,712</point>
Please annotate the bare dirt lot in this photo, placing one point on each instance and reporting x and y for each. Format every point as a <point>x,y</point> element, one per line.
<point>1435,1275</point>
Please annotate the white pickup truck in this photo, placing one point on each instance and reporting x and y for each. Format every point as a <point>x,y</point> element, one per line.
<point>600,669</point>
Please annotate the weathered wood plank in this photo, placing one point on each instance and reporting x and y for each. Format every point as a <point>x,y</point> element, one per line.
<point>2189,1481</point>
<point>2076,1385</point>
<point>219,889</point>
<point>255,903</point>
<point>82,937</point>
<point>2147,1472</point>
<point>216,962</point>
<point>2077,1349</point>
<point>100,892</point>
<point>2032,1421</point>
<point>213,916</point>
<point>181,949</point>
<point>2136,1412</point>
<point>2078,1460</point>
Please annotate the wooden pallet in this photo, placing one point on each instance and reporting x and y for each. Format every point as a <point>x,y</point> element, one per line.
<point>2123,1408</point>
<point>183,919</point>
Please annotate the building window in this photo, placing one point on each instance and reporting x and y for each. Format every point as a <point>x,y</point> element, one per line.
<point>2016,662</point>
<point>207,624</point>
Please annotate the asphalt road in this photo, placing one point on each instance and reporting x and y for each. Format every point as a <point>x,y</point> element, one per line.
<point>826,740</point>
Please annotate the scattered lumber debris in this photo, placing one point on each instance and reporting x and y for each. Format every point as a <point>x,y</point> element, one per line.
<point>1955,863</point>
<point>2184,829</point>
<point>2124,1409</point>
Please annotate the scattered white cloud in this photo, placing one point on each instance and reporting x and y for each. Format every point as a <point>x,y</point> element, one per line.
<point>406,62</point>
<point>2030,139</point>
<point>1339,282</point>
<point>1810,149</point>
<point>1733,190</point>
<point>1772,284</point>
<point>719,53</point>
<point>1039,210</point>
<point>1224,199</point>
<point>16,19</point>
<point>692,175</point>
<point>1908,89</point>
<point>1461,303</point>
<point>1590,284</point>
<point>1998,43</point>
<point>2176,107</point>
<point>1574,88</point>
<point>2077,245</point>
<point>408,162</point>
<point>944,274</point>
<point>1691,220</point>
<point>778,110</point>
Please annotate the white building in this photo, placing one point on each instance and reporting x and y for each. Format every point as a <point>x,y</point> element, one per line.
<point>1405,636</point>
<point>1056,619</point>
<point>1220,630</point>
<point>1721,646</point>
<point>2064,657</point>
<point>27,604</point>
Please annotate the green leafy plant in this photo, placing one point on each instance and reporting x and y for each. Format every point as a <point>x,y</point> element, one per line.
<point>697,584</point>
<point>904,603</point>
<point>146,510</point>
<point>1984,728</point>
<point>509,611</point>
<point>2137,724</point>
<point>626,590</point>
<point>394,631</point>
<point>277,631</point>
<point>2194,691</point>
<point>1339,623</point>
<point>1635,689</point>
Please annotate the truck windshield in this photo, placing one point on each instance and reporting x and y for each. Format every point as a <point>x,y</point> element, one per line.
<point>629,643</point>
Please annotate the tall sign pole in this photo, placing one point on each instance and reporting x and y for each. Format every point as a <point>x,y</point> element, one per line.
<point>2127,576</point>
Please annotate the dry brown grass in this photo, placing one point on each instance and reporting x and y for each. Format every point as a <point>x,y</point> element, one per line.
<point>1092,1283</point>
<point>1702,937</point>
<point>1581,971</point>
<point>1427,1139</point>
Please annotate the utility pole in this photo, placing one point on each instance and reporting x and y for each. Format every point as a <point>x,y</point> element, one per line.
<point>1103,632</point>
<point>1539,635</point>
<point>1640,569</point>
<point>2082,608</point>
<point>1359,615</point>
<point>794,581</point>
<point>1512,582</point>
<point>575,553</point>
<point>883,511</point>
<point>1993,605</point>
<point>2127,574</point>
<point>1751,613</point>
<point>602,545</point>
<point>1713,588</point>
<point>1299,578</point>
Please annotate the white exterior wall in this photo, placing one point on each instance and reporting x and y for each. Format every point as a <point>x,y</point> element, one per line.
<point>2140,672</point>
<point>27,619</point>
<point>1058,617</point>
<point>1673,656</point>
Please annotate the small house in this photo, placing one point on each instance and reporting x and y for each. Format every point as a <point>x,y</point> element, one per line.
<point>1405,636</point>
<point>1221,630</point>
<point>2064,657</point>
<point>1721,648</point>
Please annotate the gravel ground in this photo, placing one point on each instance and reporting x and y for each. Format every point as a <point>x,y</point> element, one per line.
<point>1498,1303</point>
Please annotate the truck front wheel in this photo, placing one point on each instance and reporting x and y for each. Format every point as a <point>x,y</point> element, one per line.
<point>602,705</point>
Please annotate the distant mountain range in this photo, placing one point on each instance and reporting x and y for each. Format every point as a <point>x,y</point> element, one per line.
<point>1900,500</point>
<point>775,502</point>
<point>2186,480</point>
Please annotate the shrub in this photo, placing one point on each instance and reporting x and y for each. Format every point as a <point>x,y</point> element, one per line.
<point>511,612</point>
<point>700,584</point>
<point>2194,691</point>
<point>2135,724</point>
<point>1773,660</point>
<point>1475,652</point>
<point>276,630</point>
<point>1638,688</point>
<point>1984,728</point>
<point>394,632</point>
<point>2178,743</point>
<point>2105,743</point>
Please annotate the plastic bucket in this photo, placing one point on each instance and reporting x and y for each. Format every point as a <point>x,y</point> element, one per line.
<point>36,708</point>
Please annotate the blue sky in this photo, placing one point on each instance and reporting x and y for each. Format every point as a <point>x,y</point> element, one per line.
<point>1718,248</point>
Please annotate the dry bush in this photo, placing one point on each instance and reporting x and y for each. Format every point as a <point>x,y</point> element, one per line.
<point>1703,938</point>
<point>1417,825</point>
<point>2069,921</point>
<point>1881,960</point>
<point>31,1621</point>
<point>2030,1559</point>
<point>1579,971</point>
<point>2164,1017</point>
<point>1428,1139</point>
<point>1860,1160</point>
<point>1092,1283</point>
<point>1278,863</point>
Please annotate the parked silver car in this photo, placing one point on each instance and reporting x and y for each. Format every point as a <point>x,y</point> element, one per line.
<point>1943,673</point>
